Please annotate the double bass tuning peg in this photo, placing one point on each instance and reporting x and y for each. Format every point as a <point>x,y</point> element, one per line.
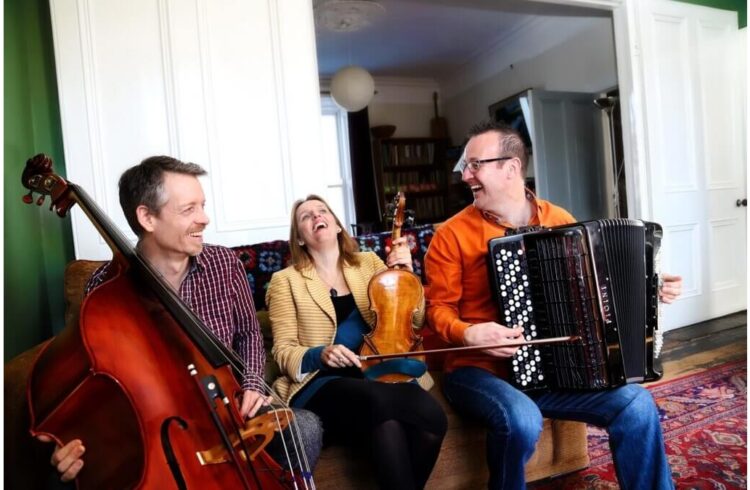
<point>29,199</point>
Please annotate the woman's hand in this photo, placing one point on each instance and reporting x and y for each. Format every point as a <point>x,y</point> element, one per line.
<point>338,356</point>
<point>399,254</point>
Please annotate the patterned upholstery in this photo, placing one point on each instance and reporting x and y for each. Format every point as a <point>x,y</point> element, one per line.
<point>261,260</point>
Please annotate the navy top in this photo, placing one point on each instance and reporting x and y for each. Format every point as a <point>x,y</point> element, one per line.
<point>349,333</point>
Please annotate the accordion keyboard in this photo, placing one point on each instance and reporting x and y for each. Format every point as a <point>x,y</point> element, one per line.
<point>514,295</point>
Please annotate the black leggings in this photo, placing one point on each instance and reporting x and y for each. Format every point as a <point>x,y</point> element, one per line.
<point>402,423</point>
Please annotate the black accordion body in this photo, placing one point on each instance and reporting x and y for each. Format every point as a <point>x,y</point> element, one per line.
<point>597,280</point>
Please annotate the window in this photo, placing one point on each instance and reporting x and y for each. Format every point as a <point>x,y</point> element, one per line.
<point>335,135</point>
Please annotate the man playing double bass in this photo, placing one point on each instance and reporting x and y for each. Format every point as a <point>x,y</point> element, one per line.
<point>163,202</point>
<point>461,309</point>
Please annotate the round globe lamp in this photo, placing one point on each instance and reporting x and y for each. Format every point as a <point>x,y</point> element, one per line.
<point>352,88</point>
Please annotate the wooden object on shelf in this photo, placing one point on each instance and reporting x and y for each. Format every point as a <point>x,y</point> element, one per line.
<point>419,168</point>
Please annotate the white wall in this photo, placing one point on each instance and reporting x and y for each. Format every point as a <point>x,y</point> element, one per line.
<point>582,63</point>
<point>405,103</point>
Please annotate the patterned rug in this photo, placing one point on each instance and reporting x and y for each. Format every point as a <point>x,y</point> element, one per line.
<point>704,419</point>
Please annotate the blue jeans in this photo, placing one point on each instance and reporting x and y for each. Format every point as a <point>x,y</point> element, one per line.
<point>514,422</point>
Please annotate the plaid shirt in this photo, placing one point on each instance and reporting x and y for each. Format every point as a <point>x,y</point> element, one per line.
<point>217,291</point>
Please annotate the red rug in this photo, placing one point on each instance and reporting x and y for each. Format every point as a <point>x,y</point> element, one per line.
<point>704,419</point>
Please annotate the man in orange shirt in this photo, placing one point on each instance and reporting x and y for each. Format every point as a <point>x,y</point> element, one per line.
<point>461,309</point>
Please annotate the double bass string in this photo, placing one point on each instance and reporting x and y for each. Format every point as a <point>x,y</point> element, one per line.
<point>296,437</point>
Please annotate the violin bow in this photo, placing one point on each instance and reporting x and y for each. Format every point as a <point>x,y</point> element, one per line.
<point>551,340</point>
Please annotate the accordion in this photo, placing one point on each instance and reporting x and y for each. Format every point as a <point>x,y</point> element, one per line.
<point>597,280</point>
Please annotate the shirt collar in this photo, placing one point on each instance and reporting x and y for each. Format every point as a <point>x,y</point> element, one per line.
<point>197,263</point>
<point>534,220</point>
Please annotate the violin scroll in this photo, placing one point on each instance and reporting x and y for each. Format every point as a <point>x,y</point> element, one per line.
<point>39,177</point>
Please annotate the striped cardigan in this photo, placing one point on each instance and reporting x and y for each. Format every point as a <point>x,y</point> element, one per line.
<point>302,316</point>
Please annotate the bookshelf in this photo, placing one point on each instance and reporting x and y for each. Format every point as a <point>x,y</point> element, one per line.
<point>419,168</point>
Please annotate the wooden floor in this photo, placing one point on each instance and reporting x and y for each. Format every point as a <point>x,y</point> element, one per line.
<point>703,345</point>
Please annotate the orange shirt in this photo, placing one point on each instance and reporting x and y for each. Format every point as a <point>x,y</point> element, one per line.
<point>459,289</point>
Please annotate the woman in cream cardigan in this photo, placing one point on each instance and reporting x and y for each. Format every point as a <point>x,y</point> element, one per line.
<point>319,311</point>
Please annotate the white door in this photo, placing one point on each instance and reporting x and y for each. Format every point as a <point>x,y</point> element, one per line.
<point>569,168</point>
<point>230,85</point>
<point>694,154</point>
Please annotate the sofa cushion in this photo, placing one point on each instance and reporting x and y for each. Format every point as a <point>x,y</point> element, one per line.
<point>260,261</point>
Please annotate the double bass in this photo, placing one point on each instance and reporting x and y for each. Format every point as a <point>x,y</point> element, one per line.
<point>143,382</point>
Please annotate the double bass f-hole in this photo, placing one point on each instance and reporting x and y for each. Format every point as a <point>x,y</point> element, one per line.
<point>395,296</point>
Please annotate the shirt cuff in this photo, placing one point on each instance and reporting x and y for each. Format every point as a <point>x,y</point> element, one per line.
<point>457,331</point>
<point>312,361</point>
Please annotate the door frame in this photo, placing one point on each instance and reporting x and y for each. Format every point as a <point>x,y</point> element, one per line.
<point>630,82</point>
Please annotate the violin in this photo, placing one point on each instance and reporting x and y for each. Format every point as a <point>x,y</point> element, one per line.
<point>395,296</point>
<point>142,381</point>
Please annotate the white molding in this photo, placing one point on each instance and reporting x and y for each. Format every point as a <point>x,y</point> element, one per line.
<point>170,84</point>
<point>694,241</point>
<point>602,4</point>
<point>715,224</point>
<point>397,90</point>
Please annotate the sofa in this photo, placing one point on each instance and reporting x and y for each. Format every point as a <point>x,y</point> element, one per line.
<point>461,465</point>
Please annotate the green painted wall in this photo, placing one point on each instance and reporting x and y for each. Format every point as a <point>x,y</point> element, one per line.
<point>740,6</point>
<point>38,244</point>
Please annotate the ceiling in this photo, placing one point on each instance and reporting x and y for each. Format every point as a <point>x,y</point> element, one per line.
<point>432,38</point>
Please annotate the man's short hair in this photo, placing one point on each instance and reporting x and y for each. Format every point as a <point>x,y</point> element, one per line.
<point>510,140</point>
<point>143,185</point>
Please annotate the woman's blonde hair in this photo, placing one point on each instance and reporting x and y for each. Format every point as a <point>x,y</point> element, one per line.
<point>301,258</point>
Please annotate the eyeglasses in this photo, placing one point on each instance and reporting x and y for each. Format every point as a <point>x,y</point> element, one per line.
<point>474,165</point>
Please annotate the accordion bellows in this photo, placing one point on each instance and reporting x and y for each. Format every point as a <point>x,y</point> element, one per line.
<point>597,280</point>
